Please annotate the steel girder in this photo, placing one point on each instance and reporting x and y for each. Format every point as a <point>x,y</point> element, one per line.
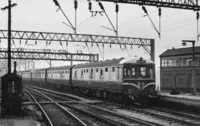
<point>87,38</point>
<point>47,54</point>
<point>69,37</point>
<point>179,4</point>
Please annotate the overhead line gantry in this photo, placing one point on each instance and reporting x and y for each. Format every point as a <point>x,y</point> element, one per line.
<point>47,54</point>
<point>178,4</point>
<point>70,37</point>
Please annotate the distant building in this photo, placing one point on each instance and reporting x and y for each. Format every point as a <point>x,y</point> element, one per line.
<point>176,69</point>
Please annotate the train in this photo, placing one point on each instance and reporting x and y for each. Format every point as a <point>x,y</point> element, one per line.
<point>124,79</point>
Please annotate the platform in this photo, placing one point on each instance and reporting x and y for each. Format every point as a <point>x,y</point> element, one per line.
<point>183,98</point>
<point>16,122</point>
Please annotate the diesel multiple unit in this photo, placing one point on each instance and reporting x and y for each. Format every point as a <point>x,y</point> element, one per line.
<point>121,79</point>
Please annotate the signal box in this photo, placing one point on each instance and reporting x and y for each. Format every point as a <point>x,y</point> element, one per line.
<point>11,93</point>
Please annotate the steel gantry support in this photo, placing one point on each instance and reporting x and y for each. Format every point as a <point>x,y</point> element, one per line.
<point>146,43</point>
<point>47,54</point>
<point>178,4</point>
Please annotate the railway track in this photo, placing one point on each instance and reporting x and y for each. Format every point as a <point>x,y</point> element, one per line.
<point>154,114</point>
<point>57,115</point>
<point>166,116</point>
<point>108,117</point>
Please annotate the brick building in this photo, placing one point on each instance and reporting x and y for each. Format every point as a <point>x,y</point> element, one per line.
<point>176,69</point>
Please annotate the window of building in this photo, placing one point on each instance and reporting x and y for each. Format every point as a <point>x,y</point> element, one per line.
<point>96,69</point>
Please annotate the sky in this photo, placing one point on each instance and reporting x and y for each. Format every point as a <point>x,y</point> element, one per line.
<point>42,16</point>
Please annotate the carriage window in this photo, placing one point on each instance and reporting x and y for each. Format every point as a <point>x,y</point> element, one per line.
<point>91,74</point>
<point>101,74</point>
<point>75,75</point>
<point>113,69</point>
<point>118,73</point>
<point>106,69</point>
<point>81,73</point>
<point>124,71</point>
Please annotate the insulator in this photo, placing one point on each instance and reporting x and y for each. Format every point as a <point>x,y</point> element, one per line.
<point>159,11</point>
<point>116,8</point>
<point>75,4</point>
<point>144,9</point>
<point>197,15</point>
<point>90,5</point>
<point>101,6</point>
<point>56,3</point>
<point>110,46</point>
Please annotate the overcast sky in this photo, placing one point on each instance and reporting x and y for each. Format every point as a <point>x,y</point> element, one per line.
<point>41,15</point>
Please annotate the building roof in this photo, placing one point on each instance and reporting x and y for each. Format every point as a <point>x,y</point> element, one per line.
<point>180,51</point>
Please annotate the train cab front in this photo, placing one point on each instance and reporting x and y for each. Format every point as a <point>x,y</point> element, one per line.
<point>139,81</point>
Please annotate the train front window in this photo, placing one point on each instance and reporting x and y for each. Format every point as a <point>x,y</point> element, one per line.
<point>142,72</point>
<point>138,71</point>
<point>145,72</point>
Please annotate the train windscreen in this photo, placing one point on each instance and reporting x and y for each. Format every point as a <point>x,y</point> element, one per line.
<point>138,71</point>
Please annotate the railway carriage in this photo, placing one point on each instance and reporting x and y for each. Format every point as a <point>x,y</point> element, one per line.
<point>58,75</point>
<point>39,75</point>
<point>102,79</point>
<point>120,79</point>
<point>129,79</point>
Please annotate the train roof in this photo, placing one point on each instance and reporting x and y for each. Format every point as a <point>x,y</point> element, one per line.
<point>112,62</point>
<point>42,69</point>
<point>59,68</point>
<point>136,60</point>
<point>115,62</point>
<point>180,51</point>
<point>24,71</point>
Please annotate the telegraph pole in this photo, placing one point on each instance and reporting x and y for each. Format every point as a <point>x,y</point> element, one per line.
<point>9,32</point>
<point>9,37</point>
